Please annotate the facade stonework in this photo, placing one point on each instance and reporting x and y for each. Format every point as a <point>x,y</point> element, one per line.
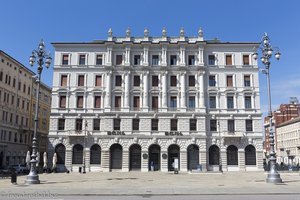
<point>140,103</point>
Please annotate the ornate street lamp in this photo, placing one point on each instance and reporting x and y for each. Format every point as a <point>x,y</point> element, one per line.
<point>43,58</point>
<point>266,54</point>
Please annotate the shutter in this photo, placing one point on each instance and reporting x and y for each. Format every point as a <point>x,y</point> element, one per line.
<point>228,59</point>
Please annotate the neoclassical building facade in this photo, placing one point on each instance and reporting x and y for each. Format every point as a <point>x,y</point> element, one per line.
<point>139,103</point>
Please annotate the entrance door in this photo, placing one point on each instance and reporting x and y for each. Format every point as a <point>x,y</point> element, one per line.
<point>173,152</point>
<point>154,157</point>
<point>116,156</point>
<point>135,157</point>
<point>193,157</point>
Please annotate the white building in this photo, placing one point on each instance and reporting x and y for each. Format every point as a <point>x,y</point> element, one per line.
<point>136,103</point>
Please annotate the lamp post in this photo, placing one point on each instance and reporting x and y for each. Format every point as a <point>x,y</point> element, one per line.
<point>266,54</point>
<point>85,125</point>
<point>43,58</point>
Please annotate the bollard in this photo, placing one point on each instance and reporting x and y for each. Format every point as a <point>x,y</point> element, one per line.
<point>13,177</point>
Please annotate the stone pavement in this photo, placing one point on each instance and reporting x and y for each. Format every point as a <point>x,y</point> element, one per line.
<point>153,183</point>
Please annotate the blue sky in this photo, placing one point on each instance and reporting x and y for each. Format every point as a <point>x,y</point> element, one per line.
<point>24,23</point>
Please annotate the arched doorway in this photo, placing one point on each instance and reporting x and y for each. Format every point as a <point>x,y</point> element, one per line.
<point>250,155</point>
<point>135,157</point>
<point>116,152</point>
<point>95,157</point>
<point>214,155</point>
<point>193,156</point>
<point>154,157</point>
<point>77,156</point>
<point>60,151</point>
<point>173,152</point>
<point>232,155</point>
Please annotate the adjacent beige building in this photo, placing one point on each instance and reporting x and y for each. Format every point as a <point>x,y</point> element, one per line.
<point>17,97</point>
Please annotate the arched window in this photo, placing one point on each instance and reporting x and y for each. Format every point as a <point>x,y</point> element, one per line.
<point>193,156</point>
<point>232,155</point>
<point>250,155</point>
<point>135,157</point>
<point>116,156</point>
<point>214,155</point>
<point>95,157</point>
<point>77,157</point>
<point>60,151</point>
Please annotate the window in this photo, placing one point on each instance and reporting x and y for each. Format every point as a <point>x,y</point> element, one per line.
<point>81,59</point>
<point>117,102</point>
<point>248,102</point>
<point>136,81</point>
<point>14,82</point>
<point>211,60</point>
<point>228,59</point>
<point>230,124</point>
<point>154,59</point>
<point>212,102</point>
<point>18,101</point>
<point>19,86</point>
<point>28,90</point>
<point>173,81</point>
<point>24,88</point>
<point>65,59</point>
<point>154,124</point>
<point>192,81</point>
<point>191,60</point>
<point>63,80</point>
<point>173,102</point>
<point>12,99</point>
<point>79,101</point>
<point>117,124</point>
<point>246,60</point>
<point>136,102</point>
<point>97,103</point>
<point>154,81</point>
<point>154,102</point>
<point>118,80</point>
<point>230,104</point>
<point>174,124</point>
<point>213,125</point>
<point>1,76</point>
<point>80,80</point>
<point>247,82</point>
<point>96,124</point>
<point>99,59</point>
<point>135,124</point>
<point>212,81</point>
<point>193,124</point>
<point>249,126</point>
<point>62,101</point>
<point>229,81</point>
<point>191,102</point>
<point>78,124</point>
<point>119,59</point>
<point>137,60</point>
<point>98,81</point>
<point>173,60</point>
<point>61,124</point>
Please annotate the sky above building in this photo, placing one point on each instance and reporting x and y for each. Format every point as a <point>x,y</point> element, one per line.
<point>25,23</point>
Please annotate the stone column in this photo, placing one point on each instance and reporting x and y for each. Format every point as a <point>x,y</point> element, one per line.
<point>241,157</point>
<point>125,161</point>
<point>87,159</point>
<point>259,160</point>
<point>201,92</point>
<point>145,59</point>
<point>224,160</point>
<point>183,161</point>
<point>146,90</point>
<point>68,159</point>
<point>164,56</point>
<point>145,162</point>
<point>164,90</point>
<point>163,162</point>
<point>109,56</point>
<point>183,91</point>
<point>127,91</point>
<point>108,91</point>
<point>105,160</point>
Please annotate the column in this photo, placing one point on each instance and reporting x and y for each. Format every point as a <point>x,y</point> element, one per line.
<point>108,91</point>
<point>202,159</point>
<point>182,56</point>
<point>164,56</point>
<point>201,92</point>
<point>127,56</point>
<point>224,159</point>
<point>125,161</point>
<point>68,159</point>
<point>87,159</point>
<point>145,161</point>
<point>183,91</point>
<point>127,88</point>
<point>164,90</point>
<point>146,90</point>
<point>109,56</point>
<point>183,161</point>
<point>241,157</point>
<point>200,56</point>
<point>145,59</point>
<point>105,160</point>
